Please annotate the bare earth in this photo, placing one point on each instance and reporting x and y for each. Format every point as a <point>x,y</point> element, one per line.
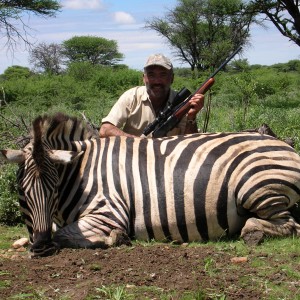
<point>153,270</point>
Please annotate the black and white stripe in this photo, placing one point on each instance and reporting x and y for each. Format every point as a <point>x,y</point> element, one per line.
<point>185,188</point>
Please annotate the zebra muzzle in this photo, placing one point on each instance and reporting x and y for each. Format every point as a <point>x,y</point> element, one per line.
<point>43,250</point>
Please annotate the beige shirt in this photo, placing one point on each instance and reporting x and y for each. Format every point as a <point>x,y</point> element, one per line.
<point>134,111</point>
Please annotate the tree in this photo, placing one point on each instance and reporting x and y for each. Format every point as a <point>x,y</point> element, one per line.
<point>14,72</point>
<point>12,13</point>
<point>239,65</point>
<point>284,14</point>
<point>96,50</point>
<point>203,32</point>
<point>47,57</point>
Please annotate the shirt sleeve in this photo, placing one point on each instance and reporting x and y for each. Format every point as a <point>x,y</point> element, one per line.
<point>121,109</point>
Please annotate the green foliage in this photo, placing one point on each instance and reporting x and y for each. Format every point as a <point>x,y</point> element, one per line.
<point>239,65</point>
<point>113,293</point>
<point>16,72</point>
<point>83,89</point>
<point>81,71</point>
<point>116,81</point>
<point>96,50</point>
<point>203,33</point>
<point>9,206</point>
<point>9,234</point>
<point>12,24</point>
<point>42,7</point>
<point>292,65</point>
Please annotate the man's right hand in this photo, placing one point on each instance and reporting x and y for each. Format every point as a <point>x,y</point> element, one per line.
<point>108,129</point>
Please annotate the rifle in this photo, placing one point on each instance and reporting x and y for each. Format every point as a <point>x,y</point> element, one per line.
<point>173,113</point>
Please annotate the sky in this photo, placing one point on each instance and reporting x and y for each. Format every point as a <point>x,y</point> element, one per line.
<point>124,22</point>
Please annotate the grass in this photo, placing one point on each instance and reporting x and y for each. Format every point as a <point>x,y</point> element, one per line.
<point>9,234</point>
<point>272,270</point>
<point>132,293</point>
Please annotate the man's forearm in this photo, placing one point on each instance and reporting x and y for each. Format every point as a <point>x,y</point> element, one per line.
<point>107,130</point>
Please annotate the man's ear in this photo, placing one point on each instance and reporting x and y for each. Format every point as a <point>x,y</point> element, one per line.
<point>172,79</point>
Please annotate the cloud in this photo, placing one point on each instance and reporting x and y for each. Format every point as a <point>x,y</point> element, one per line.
<point>83,4</point>
<point>123,18</point>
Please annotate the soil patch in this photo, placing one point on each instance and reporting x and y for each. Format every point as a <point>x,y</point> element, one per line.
<point>154,270</point>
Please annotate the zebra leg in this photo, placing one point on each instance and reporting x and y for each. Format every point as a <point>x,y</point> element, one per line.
<point>76,235</point>
<point>255,229</point>
<point>273,220</point>
<point>118,237</point>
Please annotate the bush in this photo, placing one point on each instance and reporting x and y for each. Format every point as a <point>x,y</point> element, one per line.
<point>10,213</point>
<point>16,72</point>
<point>116,81</point>
<point>81,71</point>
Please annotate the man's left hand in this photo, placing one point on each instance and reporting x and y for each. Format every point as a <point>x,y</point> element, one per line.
<point>196,104</point>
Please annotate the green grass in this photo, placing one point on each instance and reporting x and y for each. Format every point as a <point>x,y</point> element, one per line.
<point>9,234</point>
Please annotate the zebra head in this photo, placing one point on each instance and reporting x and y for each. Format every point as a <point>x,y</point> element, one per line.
<point>38,181</point>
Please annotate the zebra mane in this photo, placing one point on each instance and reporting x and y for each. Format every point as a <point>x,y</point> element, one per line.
<point>59,130</point>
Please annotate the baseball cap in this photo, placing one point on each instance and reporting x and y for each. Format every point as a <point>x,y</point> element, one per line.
<point>158,60</point>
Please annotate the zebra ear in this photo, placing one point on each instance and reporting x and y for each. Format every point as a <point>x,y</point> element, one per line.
<point>64,156</point>
<point>13,156</point>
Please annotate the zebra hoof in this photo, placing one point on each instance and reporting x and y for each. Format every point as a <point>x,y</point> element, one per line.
<point>118,237</point>
<point>253,238</point>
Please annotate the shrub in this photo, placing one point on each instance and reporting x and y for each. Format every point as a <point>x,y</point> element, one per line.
<point>9,206</point>
<point>116,81</point>
<point>81,71</point>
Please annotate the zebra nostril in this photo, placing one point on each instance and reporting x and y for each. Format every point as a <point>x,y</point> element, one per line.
<point>44,250</point>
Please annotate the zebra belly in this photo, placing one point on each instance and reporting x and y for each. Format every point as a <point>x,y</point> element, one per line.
<point>187,225</point>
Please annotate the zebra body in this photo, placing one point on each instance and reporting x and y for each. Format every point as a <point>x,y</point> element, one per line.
<point>186,188</point>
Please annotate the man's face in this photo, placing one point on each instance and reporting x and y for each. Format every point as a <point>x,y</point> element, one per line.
<point>158,81</point>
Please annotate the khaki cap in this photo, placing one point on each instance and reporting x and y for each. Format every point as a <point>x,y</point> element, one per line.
<point>159,60</point>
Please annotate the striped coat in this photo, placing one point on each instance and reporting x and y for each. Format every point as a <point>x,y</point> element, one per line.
<point>186,188</point>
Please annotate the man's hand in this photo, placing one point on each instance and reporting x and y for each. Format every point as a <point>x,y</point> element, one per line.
<point>196,104</point>
<point>108,129</point>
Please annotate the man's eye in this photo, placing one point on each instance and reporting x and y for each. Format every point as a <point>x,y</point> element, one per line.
<point>161,75</point>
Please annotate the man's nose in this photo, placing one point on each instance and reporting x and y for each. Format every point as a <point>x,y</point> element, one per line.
<point>156,80</point>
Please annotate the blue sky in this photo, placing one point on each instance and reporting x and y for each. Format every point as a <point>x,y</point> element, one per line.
<point>123,21</point>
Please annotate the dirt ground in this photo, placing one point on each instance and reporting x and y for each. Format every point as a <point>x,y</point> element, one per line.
<point>160,269</point>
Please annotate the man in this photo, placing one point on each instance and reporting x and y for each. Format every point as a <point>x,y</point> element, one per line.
<point>139,106</point>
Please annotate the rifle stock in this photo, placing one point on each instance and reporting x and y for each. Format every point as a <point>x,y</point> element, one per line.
<point>186,104</point>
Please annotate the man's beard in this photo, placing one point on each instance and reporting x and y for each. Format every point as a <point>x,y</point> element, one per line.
<point>158,90</point>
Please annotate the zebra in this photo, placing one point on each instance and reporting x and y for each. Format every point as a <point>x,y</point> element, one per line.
<point>102,192</point>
